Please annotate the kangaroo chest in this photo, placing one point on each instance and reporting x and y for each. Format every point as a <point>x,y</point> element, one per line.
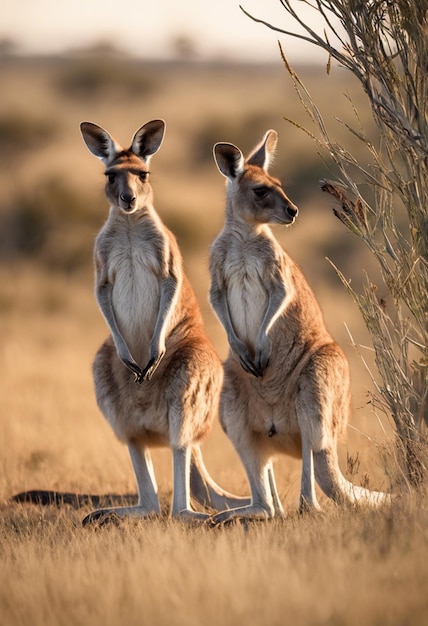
<point>134,268</point>
<point>248,284</point>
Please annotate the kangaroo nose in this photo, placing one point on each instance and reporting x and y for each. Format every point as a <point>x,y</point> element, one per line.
<point>127,198</point>
<point>292,210</point>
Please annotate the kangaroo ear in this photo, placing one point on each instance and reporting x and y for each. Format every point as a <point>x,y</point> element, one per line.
<point>148,139</point>
<point>229,159</point>
<point>99,142</point>
<point>264,153</point>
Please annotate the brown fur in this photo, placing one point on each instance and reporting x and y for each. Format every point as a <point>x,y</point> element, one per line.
<point>286,385</point>
<point>157,376</point>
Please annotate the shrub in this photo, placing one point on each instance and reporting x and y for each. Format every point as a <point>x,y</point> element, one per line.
<point>52,224</point>
<point>20,132</point>
<point>93,77</point>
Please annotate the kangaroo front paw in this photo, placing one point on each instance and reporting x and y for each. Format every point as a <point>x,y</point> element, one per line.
<point>134,368</point>
<point>248,364</point>
<point>262,355</point>
<point>138,377</point>
<point>152,365</point>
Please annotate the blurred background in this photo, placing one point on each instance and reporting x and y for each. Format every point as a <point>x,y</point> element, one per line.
<point>213,75</point>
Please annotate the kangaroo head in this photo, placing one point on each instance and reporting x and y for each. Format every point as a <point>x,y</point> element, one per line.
<point>254,195</point>
<point>127,172</point>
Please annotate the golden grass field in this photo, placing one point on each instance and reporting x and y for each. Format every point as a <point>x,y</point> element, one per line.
<point>344,567</point>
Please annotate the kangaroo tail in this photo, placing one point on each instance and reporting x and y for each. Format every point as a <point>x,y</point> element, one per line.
<point>206,491</point>
<point>75,500</point>
<point>335,486</point>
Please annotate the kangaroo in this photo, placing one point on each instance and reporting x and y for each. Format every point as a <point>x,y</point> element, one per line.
<point>286,381</point>
<point>157,376</point>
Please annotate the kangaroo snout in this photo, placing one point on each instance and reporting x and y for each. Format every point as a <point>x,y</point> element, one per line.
<point>285,214</point>
<point>127,201</point>
<point>292,212</point>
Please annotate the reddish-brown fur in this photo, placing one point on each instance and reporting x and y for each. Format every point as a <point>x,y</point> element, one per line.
<point>157,376</point>
<point>286,385</point>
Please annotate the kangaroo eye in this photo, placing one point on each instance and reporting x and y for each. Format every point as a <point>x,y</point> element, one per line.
<point>261,192</point>
<point>111,178</point>
<point>143,176</point>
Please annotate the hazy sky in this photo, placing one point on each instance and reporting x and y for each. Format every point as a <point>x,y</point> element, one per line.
<point>146,28</point>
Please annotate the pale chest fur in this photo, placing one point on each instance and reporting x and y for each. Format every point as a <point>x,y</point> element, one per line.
<point>134,255</point>
<point>246,269</point>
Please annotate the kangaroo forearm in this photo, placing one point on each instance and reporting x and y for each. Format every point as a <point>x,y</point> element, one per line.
<point>104,298</point>
<point>168,297</point>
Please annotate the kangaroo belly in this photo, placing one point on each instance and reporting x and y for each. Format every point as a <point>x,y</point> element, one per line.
<point>176,407</point>
<point>136,305</point>
<point>247,305</point>
<point>133,413</point>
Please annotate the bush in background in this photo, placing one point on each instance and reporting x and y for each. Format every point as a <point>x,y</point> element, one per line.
<point>53,224</point>
<point>20,132</point>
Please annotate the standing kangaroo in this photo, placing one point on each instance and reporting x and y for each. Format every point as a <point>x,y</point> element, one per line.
<point>157,376</point>
<point>286,382</point>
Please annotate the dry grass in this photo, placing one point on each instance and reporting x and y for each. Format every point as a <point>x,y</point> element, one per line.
<point>340,568</point>
<point>344,567</point>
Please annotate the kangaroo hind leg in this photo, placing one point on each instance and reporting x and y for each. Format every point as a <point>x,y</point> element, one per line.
<point>148,502</point>
<point>260,477</point>
<point>322,408</point>
<point>181,506</point>
<point>277,505</point>
<point>308,498</point>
